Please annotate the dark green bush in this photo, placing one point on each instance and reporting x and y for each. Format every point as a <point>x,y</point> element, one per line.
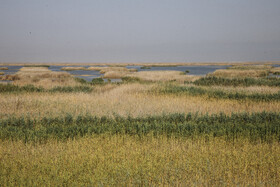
<point>80,80</point>
<point>130,79</point>
<point>97,81</point>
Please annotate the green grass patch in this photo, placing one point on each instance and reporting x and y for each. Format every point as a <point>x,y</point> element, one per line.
<point>256,127</point>
<point>97,81</point>
<point>10,88</point>
<point>219,81</point>
<point>34,65</point>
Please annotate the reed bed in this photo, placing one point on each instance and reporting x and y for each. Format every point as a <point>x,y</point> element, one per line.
<point>255,127</point>
<point>251,67</point>
<point>41,77</point>
<point>275,71</point>
<point>244,90</point>
<point>126,160</point>
<point>163,76</point>
<point>219,94</point>
<point>211,132</point>
<point>211,81</point>
<point>73,68</point>
<point>124,100</point>
<point>4,68</point>
<point>2,73</point>
<point>108,69</point>
<point>10,88</point>
<point>116,74</point>
<point>235,73</point>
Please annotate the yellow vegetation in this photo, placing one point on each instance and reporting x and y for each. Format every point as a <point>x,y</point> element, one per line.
<point>116,74</point>
<point>275,70</point>
<point>127,161</point>
<point>108,69</point>
<point>127,99</point>
<point>73,68</point>
<point>40,76</point>
<point>251,67</point>
<point>4,68</point>
<point>233,73</point>
<point>245,90</point>
<point>2,73</point>
<point>164,76</point>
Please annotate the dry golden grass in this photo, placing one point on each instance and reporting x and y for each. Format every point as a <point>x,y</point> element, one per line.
<point>116,74</point>
<point>108,69</point>
<point>41,76</point>
<point>73,68</point>
<point>124,100</point>
<point>275,70</point>
<point>127,161</point>
<point>237,73</point>
<point>4,68</point>
<point>245,90</point>
<point>164,76</point>
<point>2,73</point>
<point>251,67</point>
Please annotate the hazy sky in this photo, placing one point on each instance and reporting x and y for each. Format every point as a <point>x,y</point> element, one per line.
<point>139,30</point>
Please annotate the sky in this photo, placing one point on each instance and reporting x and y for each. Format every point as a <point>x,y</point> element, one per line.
<point>139,30</point>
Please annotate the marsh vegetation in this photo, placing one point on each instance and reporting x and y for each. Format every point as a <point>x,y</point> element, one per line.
<point>153,128</point>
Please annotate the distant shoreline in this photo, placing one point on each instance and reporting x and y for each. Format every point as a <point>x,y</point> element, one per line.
<point>141,63</point>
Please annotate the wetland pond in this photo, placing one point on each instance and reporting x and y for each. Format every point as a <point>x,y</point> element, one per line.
<point>88,75</point>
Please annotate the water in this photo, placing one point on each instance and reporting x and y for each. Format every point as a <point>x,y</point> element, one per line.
<point>89,75</point>
<point>11,69</point>
<point>193,70</point>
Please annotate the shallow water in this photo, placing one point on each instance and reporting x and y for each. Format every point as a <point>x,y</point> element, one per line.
<point>11,69</point>
<point>193,70</point>
<point>89,75</point>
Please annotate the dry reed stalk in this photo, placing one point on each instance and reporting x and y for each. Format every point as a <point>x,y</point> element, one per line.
<point>108,69</point>
<point>124,100</point>
<point>236,73</point>
<point>73,68</point>
<point>164,76</point>
<point>245,90</point>
<point>275,70</point>
<point>116,74</point>
<point>41,76</point>
<point>251,67</point>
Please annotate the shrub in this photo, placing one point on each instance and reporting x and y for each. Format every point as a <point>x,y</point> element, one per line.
<point>97,81</point>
